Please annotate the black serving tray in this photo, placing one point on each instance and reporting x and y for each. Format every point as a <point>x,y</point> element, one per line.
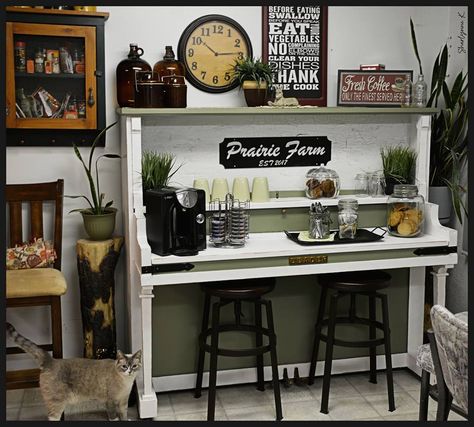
<point>362,236</point>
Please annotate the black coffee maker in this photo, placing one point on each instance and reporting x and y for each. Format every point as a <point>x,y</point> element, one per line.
<point>176,220</point>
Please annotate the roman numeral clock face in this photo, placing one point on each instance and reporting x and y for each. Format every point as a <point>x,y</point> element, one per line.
<point>208,48</point>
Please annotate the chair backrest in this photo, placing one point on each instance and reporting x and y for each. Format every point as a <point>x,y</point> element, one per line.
<point>451,335</point>
<point>35,195</point>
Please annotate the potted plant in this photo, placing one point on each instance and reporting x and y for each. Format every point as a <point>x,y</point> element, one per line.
<point>99,217</point>
<point>449,141</point>
<point>157,169</point>
<point>255,78</point>
<point>398,166</point>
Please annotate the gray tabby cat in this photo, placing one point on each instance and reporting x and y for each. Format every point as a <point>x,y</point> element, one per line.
<point>66,381</point>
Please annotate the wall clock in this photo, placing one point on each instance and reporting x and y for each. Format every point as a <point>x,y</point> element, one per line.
<point>208,48</point>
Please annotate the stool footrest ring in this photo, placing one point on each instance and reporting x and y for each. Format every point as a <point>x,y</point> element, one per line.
<point>360,320</point>
<point>254,351</point>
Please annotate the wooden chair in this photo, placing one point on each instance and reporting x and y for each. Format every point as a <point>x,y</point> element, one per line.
<point>35,286</point>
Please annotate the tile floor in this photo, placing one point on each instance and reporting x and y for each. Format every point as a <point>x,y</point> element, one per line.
<point>352,397</point>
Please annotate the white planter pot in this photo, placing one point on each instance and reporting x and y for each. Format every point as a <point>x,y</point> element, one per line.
<point>442,197</point>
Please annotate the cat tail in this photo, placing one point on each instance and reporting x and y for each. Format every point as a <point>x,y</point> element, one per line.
<point>30,347</point>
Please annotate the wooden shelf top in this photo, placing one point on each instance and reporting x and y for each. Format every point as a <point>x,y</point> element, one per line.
<point>274,110</point>
<point>16,9</point>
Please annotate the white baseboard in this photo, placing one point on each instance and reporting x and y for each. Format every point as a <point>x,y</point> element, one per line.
<point>249,375</point>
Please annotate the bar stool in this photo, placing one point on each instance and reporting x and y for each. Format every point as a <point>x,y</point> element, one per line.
<point>353,284</point>
<point>235,292</point>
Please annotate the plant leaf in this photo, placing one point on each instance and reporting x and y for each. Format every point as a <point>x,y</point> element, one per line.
<point>415,47</point>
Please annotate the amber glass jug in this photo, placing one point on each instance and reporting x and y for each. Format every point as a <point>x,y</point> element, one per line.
<point>126,70</point>
<point>169,66</point>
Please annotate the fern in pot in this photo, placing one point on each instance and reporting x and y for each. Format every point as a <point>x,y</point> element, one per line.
<point>398,166</point>
<point>449,140</point>
<point>255,78</point>
<point>99,217</point>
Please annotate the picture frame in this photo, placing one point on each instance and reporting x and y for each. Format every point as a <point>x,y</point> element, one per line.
<point>374,88</point>
<point>295,43</point>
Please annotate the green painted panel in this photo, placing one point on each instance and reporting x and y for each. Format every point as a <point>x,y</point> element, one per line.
<point>177,312</point>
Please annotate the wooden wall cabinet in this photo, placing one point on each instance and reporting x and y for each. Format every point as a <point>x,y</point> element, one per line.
<point>59,98</point>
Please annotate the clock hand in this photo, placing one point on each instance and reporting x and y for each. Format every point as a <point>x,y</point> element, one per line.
<point>212,50</point>
<point>229,53</point>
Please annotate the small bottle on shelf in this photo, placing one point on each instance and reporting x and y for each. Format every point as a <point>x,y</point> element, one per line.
<point>419,92</point>
<point>407,92</point>
<point>39,61</point>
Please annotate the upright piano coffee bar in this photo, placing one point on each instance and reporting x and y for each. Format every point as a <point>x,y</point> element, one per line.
<point>272,197</point>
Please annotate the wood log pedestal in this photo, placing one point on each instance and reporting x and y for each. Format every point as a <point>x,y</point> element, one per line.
<point>96,261</point>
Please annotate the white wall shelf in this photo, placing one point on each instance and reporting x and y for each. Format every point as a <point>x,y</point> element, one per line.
<point>304,202</point>
<point>273,110</point>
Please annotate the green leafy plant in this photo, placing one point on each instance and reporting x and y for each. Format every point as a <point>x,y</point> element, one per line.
<point>449,128</point>
<point>157,169</point>
<point>250,68</point>
<point>398,163</point>
<point>96,200</point>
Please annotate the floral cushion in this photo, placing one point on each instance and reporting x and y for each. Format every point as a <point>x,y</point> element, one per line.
<point>38,254</point>
<point>424,359</point>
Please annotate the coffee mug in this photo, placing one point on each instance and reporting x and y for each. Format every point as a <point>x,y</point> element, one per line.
<point>241,189</point>
<point>260,192</point>
<point>219,189</point>
<point>202,184</point>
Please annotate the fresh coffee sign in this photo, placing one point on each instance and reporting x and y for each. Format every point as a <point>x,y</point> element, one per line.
<point>371,88</point>
<point>267,152</point>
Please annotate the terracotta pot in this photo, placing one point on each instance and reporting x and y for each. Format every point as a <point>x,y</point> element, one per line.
<point>255,95</point>
<point>99,227</point>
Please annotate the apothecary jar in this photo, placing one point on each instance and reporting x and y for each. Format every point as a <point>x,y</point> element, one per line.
<point>322,182</point>
<point>405,211</point>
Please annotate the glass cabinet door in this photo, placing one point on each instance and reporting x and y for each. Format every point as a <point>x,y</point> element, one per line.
<point>50,76</point>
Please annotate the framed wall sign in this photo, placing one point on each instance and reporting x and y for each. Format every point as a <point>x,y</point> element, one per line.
<point>295,44</point>
<point>382,88</point>
<point>267,152</point>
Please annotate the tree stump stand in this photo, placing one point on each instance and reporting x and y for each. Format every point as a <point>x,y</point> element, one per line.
<point>96,261</point>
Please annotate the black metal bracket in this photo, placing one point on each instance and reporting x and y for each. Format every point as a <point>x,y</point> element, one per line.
<point>166,268</point>
<point>436,250</point>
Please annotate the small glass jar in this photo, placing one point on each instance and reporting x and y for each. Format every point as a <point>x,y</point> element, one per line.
<point>347,218</point>
<point>405,211</point>
<point>319,225</point>
<point>361,184</point>
<point>377,184</point>
<point>322,182</point>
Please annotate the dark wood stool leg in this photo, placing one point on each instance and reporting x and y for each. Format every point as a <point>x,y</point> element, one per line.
<point>211,403</point>
<point>388,352</point>
<point>259,343</point>
<point>424,395</point>
<point>329,352</point>
<point>372,335</point>
<point>202,353</point>
<point>317,335</point>
<point>352,308</point>
<point>56,327</point>
<point>273,356</point>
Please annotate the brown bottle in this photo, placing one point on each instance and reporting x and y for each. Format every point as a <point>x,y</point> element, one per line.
<point>169,66</point>
<point>126,70</point>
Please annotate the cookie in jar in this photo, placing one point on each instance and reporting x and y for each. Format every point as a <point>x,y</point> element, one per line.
<point>321,182</point>
<point>405,211</point>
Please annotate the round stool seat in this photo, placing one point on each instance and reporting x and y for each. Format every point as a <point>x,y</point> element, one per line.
<point>356,281</point>
<point>239,289</point>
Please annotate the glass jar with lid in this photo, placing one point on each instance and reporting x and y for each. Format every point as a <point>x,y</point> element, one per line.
<point>405,211</point>
<point>322,182</point>
<point>347,218</point>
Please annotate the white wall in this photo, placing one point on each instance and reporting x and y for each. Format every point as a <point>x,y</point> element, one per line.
<point>355,35</point>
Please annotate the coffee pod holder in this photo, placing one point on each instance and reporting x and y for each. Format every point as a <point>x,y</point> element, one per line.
<point>229,222</point>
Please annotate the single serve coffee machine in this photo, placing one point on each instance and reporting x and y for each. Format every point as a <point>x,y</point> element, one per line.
<point>176,220</point>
